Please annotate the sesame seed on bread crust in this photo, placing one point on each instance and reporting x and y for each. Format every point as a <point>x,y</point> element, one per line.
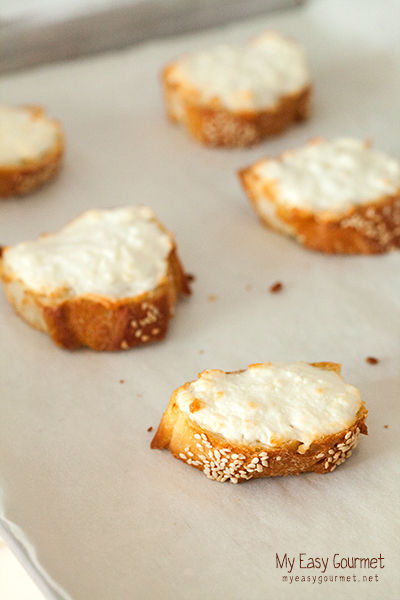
<point>100,322</point>
<point>222,459</point>
<point>371,226</point>
<point>29,173</point>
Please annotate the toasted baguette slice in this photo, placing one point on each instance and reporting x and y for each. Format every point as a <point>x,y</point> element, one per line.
<point>337,196</point>
<point>272,419</point>
<point>236,96</point>
<point>109,280</point>
<point>31,149</point>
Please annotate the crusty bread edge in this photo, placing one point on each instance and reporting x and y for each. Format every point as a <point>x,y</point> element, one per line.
<point>99,322</point>
<point>216,126</point>
<point>371,228</point>
<point>222,460</point>
<point>18,180</point>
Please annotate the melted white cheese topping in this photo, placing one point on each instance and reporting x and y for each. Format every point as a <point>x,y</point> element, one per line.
<point>331,175</point>
<point>249,77</point>
<point>24,136</point>
<point>272,403</point>
<point>116,253</point>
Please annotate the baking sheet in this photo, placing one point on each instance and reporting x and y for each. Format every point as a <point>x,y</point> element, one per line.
<point>94,511</point>
<point>28,33</point>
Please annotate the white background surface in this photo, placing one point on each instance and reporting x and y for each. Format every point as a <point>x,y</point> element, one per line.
<point>15,583</point>
<point>105,517</point>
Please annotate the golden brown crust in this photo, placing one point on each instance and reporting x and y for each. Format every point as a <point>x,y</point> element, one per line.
<point>98,322</point>
<point>371,228</point>
<point>223,460</point>
<point>18,180</point>
<point>216,126</point>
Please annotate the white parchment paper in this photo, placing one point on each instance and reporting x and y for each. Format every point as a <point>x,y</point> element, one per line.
<point>103,516</point>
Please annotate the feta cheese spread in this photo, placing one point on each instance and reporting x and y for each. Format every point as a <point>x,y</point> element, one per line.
<point>271,403</point>
<point>245,78</point>
<point>25,135</point>
<point>116,253</point>
<point>330,175</point>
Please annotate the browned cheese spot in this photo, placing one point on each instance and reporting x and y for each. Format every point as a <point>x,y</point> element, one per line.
<point>196,405</point>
